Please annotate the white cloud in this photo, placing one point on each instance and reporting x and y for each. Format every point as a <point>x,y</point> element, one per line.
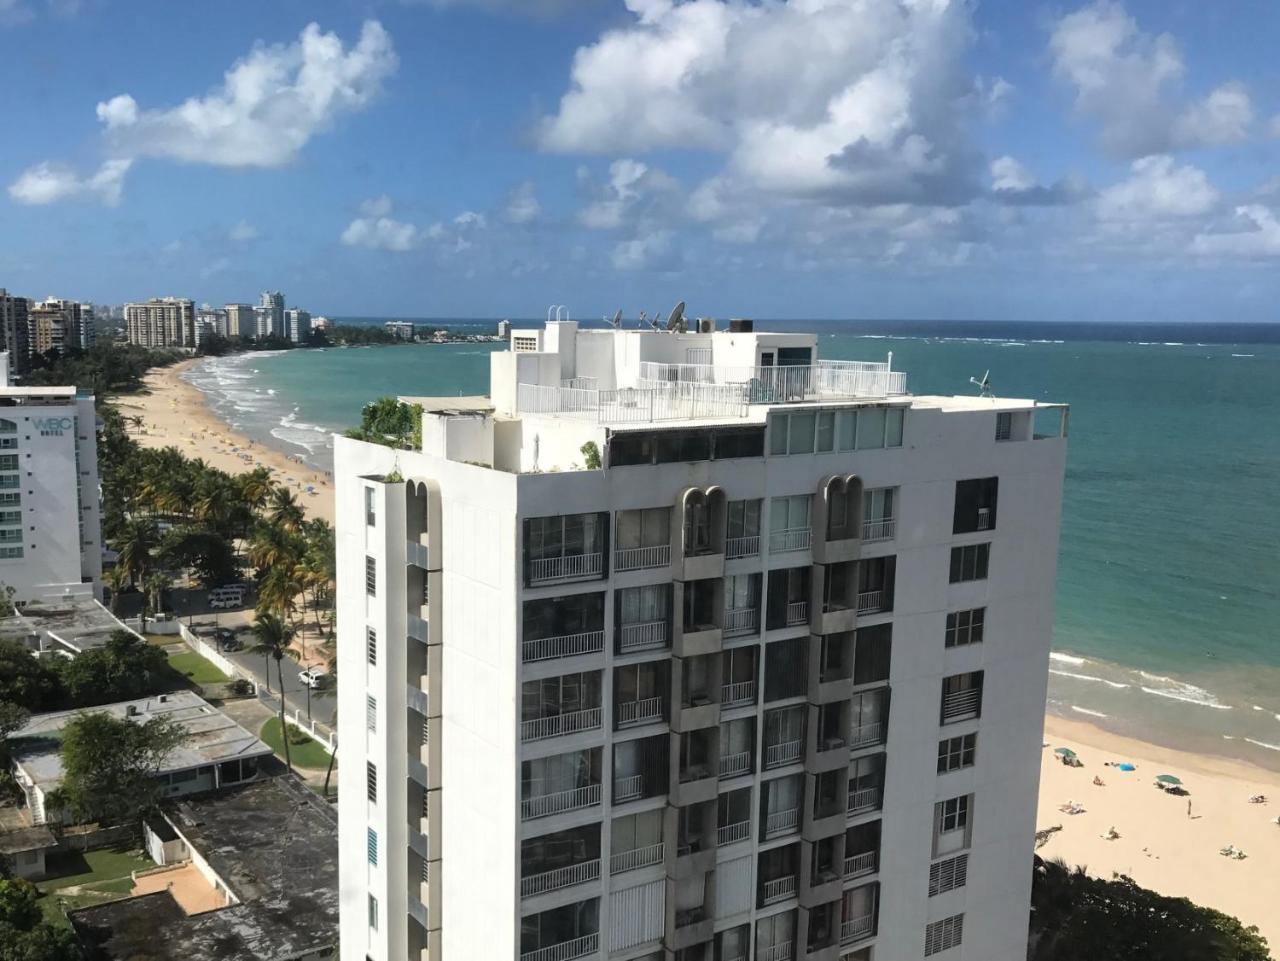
<point>856,101</point>
<point>1008,174</point>
<point>526,7</point>
<point>1130,83</point>
<point>243,231</point>
<point>1013,183</point>
<point>630,191</point>
<point>376,206</point>
<point>14,12</point>
<point>378,231</point>
<point>47,183</point>
<point>269,105</point>
<point>1257,235</point>
<point>652,251</point>
<point>1158,189</point>
<point>522,203</point>
<point>470,219</point>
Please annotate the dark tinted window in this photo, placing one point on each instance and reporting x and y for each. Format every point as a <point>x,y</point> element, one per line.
<point>975,505</point>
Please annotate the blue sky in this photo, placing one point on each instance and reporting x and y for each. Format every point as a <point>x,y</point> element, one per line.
<point>767,158</point>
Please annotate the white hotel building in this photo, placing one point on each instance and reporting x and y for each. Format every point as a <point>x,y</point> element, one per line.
<point>50,525</point>
<point>767,682</point>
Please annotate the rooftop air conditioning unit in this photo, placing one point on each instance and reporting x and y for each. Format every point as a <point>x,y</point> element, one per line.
<point>740,326</point>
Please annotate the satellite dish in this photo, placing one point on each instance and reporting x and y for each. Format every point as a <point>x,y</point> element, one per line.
<point>617,320</point>
<point>984,386</point>
<point>676,319</point>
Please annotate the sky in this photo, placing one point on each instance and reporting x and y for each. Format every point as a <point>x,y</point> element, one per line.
<point>995,159</point>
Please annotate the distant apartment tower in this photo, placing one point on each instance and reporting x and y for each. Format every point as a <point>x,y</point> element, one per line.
<point>87,317</point>
<point>240,320</point>
<point>214,319</point>
<point>161,322</point>
<point>399,329</point>
<point>504,329</point>
<point>297,323</point>
<point>50,533</point>
<point>694,646</point>
<point>270,314</point>
<point>59,325</point>
<point>15,332</point>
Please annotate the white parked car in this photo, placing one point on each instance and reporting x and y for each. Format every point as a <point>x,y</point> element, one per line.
<point>221,598</point>
<point>314,677</point>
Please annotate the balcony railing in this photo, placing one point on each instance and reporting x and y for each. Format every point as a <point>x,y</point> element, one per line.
<point>797,613</point>
<point>565,645</point>
<point>581,947</point>
<point>641,558</point>
<point>857,865</point>
<point>732,765</point>
<point>857,928</point>
<point>879,529</point>
<point>744,620</point>
<point>872,602</point>
<point>779,384</point>
<point>795,539</point>
<point>636,858</point>
<point>780,822</point>
<point>779,889</point>
<point>961,705</point>
<point>784,752</point>
<point>555,725</point>
<point>645,636</point>
<point>742,546</point>
<point>775,952</point>
<point>628,788</point>
<point>643,711</point>
<point>866,799</point>
<point>568,567</point>
<point>737,694</point>
<point>557,802</point>
<point>733,833</point>
<point>864,735</point>
<point>984,518</point>
<point>560,878</point>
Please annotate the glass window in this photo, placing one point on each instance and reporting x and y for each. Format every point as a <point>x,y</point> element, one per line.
<point>955,753</point>
<point>970,563</point>
<point>800,437</point>
<point>826,430</point>
<point>789,513</point>
<point>893,427</point>
<point>846,429</point>
<point>778,434</point>
<point>744,518</point>
<point>373,912</point>
<point>871,428</point>
<point>370,515</point>
<point>965,627</point>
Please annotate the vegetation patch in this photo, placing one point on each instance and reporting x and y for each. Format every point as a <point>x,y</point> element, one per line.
<point>307,754</point>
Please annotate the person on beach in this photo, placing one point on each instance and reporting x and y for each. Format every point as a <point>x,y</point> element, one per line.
<point>1188,807</point>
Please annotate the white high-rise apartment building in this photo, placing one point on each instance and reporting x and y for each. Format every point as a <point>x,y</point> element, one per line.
<point>270,314</point>
<point>50,526</point>
<point>297,323</point>
<point>694,647</point>
<point>161,322</point>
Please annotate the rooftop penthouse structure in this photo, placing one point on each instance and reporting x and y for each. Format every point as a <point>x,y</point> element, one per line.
<point>694,646</point>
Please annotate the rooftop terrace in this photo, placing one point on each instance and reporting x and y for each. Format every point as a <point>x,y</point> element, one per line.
<point>74,624</point>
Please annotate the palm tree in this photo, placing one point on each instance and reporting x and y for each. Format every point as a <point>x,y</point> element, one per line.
<point>135,545</point>
<point>284,511</point>
<point>274,634</point>
<point>255,487</point>
<point>116,578</point>
<point>155,585</point>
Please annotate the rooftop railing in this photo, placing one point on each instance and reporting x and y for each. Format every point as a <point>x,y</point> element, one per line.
<point>773,385</point>
<point>635,405</point>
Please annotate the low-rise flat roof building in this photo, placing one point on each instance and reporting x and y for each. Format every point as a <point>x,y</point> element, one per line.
<point>70,625</point>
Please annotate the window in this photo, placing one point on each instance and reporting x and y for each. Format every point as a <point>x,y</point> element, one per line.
<point>650,527</point>
<point>943,935</point>
<point>371,846</point>
<point>893,422</point>
<point>826,431</point>
<point>961,697</point>
<point>948,875</point>
<point>788,514</point>
<point>1004,426</point>
<point>872,652</point>
<point>8,462</point>
<point>871,428</point>
<point>371,712</point>
<point>975,505</point>
<point>955,753</point>
<point>370,514</point>
<point>556,696</point>
<point>800,434</point>
<point>965,627</point>
<point>786,669</point>
<point>742,592</point>
<point>550,539</point>
<point>951,825</point>
<point>371,782</point>
<point>371,645</point>
<point>970,563</point>
<point>743,523</point>
<point>697,526</point>
<point>370,576</point>
<point>373,913</point>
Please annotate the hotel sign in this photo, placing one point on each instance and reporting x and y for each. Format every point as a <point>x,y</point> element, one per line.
<point>53,426</point>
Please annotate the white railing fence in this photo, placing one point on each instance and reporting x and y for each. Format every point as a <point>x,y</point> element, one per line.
<point>555,725</point>
<point>566,645</point>
<point>549,570</point>
<point>622,861</point>
<point>641,558</point>
<point>554,802</point>
<point>558,878</point>
<point>642,637</point>
<point>639,712</point>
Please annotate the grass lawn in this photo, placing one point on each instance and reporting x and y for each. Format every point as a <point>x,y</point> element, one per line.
<point>163,640</point>
<point>310,754</point>
<point>195,668</point>
<point>96,876</point>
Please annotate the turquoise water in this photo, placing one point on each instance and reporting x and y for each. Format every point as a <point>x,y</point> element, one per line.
<point>1169,578</point>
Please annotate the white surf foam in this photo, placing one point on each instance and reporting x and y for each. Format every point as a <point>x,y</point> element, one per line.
<point>1089,677</point>
<point>1067,658</point>
<point>1085,710</point>
<point>1264,744</point>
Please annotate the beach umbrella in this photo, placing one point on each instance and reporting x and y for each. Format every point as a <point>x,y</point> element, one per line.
<point>1167,779</point>
<point>1126,766</point>
<point>1064,752</point>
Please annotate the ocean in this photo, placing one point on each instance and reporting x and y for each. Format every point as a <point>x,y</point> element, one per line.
<point>1168,606</point>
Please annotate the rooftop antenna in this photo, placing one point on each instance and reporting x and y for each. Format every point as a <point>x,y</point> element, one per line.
<point>985,388</point>
<point>642,317</point>
<point>657,314</point>
<point>617,320</point>
<point>676,320</point>
<point>549,310</point>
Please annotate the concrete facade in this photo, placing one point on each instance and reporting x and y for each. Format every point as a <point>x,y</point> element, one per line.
<point>161,322</point>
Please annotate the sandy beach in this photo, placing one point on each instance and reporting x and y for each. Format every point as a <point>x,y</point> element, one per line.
<point>174,414</point>
<point>1160,847</point>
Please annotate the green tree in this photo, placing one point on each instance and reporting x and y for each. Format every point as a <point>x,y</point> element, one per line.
<point>135,547</point>
<point>284,511</point>
<point>24,934</point>
<point>123,669</point>
<point>24,679</point>
<point>390,422</point>
<point>273,635</point>
<point>110,765</point>
<point>12,717</point>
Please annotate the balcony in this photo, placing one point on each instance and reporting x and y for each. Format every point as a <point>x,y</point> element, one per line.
<point>984,518</point>
<point>624,861</point>
<point>582,947</point>
<point>795,539</point>
<point>775,952</point>
<point>745,620</point>
<point>863,800</point>
<point>641,558</point>
<point>873,602</point>
<point>781,822</point>
<point>961,705</point>
<point>866,735</point>
<point>737,694</point>
<point>628,788</point>
<point>742,546</point>
<point>779,889</point>
<point>566,645</point>
<point>733,833</point>
<point>558,802</point>
<point>647,710</point>
<point>569,567</point>
<point>416,554</point>
<point>556,725</point>
<point>784,752</point>
<point>560,878</point>
<point>644,636</point>
<point>860,865</point>
<point>797,613</point>
<point>855,929</point>
<point>880,529</point>
<point>735,765</point>
<point>416,627</point>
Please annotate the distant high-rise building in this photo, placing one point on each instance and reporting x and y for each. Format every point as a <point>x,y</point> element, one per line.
<point>297,323</point>
<point>14,331</point>
<point>87,319</point>
<point>320,323</point>
<point>400,329</point>
<point>504,329</point>
<point>59,325</point>
<point>240,320</point>
<point>161,322</point>
<point>272,304</point>
<point>214,319</point>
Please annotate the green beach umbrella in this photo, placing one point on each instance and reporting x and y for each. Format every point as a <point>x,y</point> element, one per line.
<point>1065,752</point>
<point>1167,779</point>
